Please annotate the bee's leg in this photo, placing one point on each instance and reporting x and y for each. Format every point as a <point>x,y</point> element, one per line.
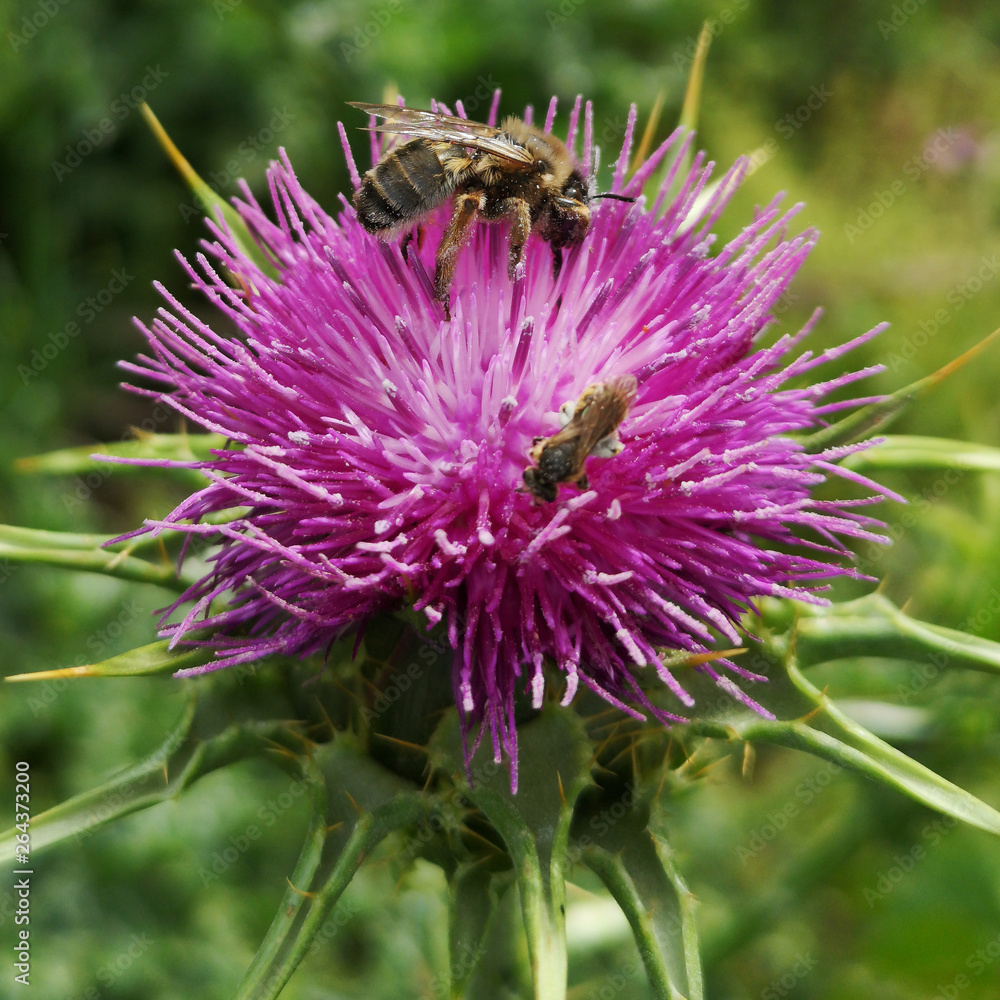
<point>417,232</point>
<point>520,216</point>
<point>464,214</point>
<point>557,262</point>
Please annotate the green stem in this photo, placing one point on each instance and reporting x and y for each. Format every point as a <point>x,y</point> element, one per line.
<point>610,869</point>
<point>543,902</point>
<point>266,970</point>
<point>115,564</point>
<point>534,825</point>
<point>542,890</point>
<point>874,626</point>
<point>639,871</point>
<point>820,728</point>
<point>287,944</point>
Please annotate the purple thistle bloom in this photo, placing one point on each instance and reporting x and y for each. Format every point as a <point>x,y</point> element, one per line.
<point>380,449</point>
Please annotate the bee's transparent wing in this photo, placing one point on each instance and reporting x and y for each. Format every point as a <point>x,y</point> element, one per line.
<point>604,413</point>
<point>446,128</point>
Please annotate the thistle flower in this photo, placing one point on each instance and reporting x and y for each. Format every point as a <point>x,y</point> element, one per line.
<point>380,448</point>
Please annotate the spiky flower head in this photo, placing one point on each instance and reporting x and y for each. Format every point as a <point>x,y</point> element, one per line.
<point>380,448</point>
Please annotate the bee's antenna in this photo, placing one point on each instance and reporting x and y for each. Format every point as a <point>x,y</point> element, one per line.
<point>616,197</point>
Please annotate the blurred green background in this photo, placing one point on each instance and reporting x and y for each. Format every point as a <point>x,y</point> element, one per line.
<point>884,118</point>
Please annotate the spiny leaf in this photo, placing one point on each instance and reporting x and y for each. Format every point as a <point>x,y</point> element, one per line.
<point>176,764</point>
<point>156,658</point>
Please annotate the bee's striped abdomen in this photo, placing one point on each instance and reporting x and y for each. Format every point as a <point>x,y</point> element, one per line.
<point>407,183</point>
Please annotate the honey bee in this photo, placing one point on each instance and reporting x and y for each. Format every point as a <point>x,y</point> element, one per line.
<point>515,172</point>
<point>589,427</point>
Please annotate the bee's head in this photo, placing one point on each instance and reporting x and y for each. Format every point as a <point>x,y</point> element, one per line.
<point>575,188</point>
<point>539,486</point>
<point>570,211</point>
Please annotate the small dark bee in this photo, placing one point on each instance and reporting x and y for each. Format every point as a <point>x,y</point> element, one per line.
<point>590,427</point>
<point>515,172</point>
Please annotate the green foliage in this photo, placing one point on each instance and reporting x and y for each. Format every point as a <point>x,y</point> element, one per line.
<point>801,868</point>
